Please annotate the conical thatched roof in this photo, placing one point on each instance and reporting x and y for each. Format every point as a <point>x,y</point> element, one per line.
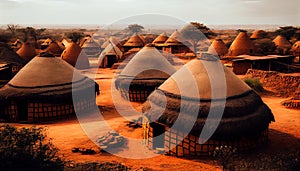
<point>46,78</point>
<point>145,61</point>
<point>281,42</point>
<point>161,39</point>
<point>241,45</point>
<point>90,43</point>
<point>111,49</point>
<point>8,56</point>
<point>258,34</point>
<point>112,39</point>
<point>218,47</point>
<point>135,41</point>
<point>55,48</point>
<point>245,114</point>
<point>176,39</point>
<point>27,51</point>
<point>73,55</point>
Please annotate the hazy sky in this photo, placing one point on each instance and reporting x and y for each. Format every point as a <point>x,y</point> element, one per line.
<point>108,11</point>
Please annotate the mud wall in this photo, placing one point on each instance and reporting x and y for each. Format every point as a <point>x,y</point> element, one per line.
<point>285,85</point>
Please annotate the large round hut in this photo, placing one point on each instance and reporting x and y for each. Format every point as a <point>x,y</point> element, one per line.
<point>147,70</point>
<point>73,55</point>
<point>218,47</point>
<point>243,125</point>
<point>43,91</point>
<point>241,45</point>
<point>27,51</point>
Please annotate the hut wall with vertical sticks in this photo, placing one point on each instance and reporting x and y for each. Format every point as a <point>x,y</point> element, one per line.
<point>43,91</point>
<point>244,123</point>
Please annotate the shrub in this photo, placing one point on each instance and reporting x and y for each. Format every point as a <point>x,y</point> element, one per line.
<point>27,149</point>
<point>225,156</point>
<point>255,84</point>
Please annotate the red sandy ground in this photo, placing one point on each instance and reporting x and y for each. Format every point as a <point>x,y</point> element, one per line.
<point>284,134</point>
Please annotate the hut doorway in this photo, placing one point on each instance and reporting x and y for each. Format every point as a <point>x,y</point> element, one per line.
<point>111,59</point>
<point>158,129</point>
<point>22,111</point>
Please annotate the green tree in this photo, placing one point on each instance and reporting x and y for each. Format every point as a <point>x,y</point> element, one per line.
<point>195,32</point>
<point>134,28</point>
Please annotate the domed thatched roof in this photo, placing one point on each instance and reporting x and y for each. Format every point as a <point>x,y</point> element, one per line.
<point>8,56</point>
<point>46,78</point>
<point>176,39</point>
<point>245,114</point>
<point>218,47</point>
<point>55,48</point>
<point>282,43</point>
<point>27,51</point>
<point>162,38</point>
<point>135,41</point>
<point>146,60</point>
<point>258,34</point>
<point>71,55</point>
<point>241,45</point>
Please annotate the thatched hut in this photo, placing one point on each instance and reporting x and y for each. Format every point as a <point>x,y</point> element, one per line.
<point>91,48</point>
<point>143,74</point>
<point>218,47</point>
<point>241,45</point>
<point>258,34</point>
<point>27,51</point>
<point>295,50</point>
<point>110,55</point>
<point>9,56</point>
<point>244,123</point>
<point>135,41</point>
<point>56,48</point>
<point>73,55</point>
<point>176,44</point>
<point>160,40</point>
<point>43,91</point>
<point>282,44</point>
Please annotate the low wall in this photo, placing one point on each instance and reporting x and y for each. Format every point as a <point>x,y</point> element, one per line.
<point>285,85</point>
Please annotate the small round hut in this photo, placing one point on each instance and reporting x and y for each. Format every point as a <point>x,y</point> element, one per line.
<point>56,48</point>
<point>110,55</point>
<point>282,44</point>
<point>135,41</point>
<point>143,74</point>
<point>177,44</point>
<point>43,91</point>
<point>160,40</point>
<point>241,45</point>
<point>243,125</point>
<point>10,63</point>
<point>258,34</point>
<point>73,55</point>
<point>218,47</point>
<point>27,51</point>
<point>91,48</point>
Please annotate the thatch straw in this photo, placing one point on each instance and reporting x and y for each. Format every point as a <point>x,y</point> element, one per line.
<point>218,47</point>
<point>27,51</point>
<point>71,55</point>
<point>241,45</point>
